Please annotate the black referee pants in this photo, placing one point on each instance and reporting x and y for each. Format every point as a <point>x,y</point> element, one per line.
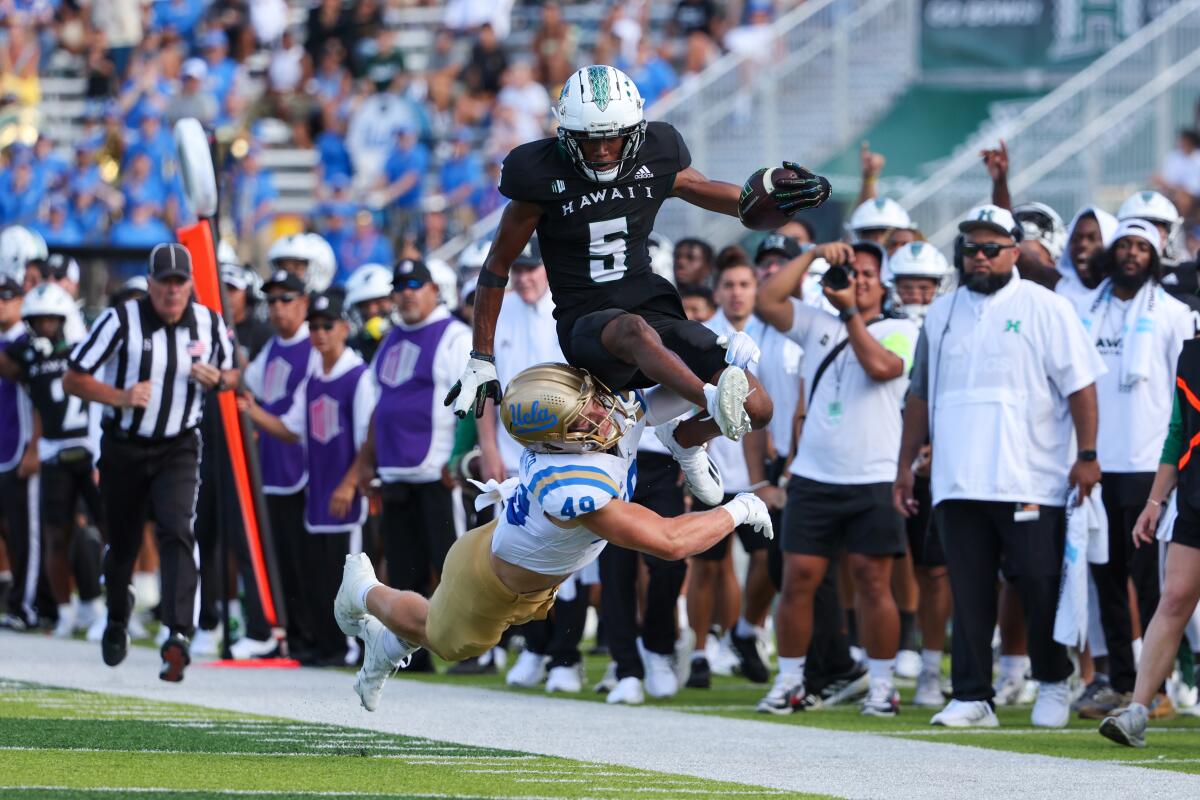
<point>158,479</point>
<point>657,489</point>
<point>1125,496</point>
<point>982,538</point>
<point>418,530</point>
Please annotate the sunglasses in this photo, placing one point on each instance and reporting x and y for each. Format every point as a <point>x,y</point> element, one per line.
<point>289,297</point>
<point>989,250</point>
<point>322,325</point>
<point>411,283</point>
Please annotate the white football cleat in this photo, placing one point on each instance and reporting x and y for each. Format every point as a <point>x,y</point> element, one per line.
<point>929,689</point>
<point>609,681</point>
<point>700,473</point>
<point>1053,706</point>
<point>377,667</point>
<point>565,679</point>
<point>628,692</point>
<point>205,643</point>
<point>660,673</point>
<point>685,645</point>
<point>246,648</point>
<point>528,672</point>
<point>87,613</point>
<point>727,402</point>
<point>348,608</point>
<point>966,714</point>
<point>908,664</point>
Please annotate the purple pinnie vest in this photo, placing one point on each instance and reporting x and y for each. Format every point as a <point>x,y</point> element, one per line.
<point>12,433</point>
<point>330,414</point>
<point>282,463</point>
<point>404,416</point>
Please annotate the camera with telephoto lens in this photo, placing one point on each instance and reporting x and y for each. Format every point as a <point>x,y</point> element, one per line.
<point>837,277</point>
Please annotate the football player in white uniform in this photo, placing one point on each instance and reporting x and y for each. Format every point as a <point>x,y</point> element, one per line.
<point>572,496</point>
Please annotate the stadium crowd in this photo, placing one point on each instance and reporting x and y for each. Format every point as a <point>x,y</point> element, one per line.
<point>930,408</point>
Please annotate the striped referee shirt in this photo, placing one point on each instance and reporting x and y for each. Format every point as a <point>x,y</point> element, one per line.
<point>132,344</point>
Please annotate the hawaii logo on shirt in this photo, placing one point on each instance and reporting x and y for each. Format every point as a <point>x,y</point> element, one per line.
<point>323,419</point>
<point>399,363</point>
<point>275,380</point>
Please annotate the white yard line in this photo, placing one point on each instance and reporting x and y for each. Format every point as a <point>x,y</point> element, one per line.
<point>790,757</point>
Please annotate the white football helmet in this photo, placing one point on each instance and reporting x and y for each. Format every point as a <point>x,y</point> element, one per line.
<point>880,213</point>
<point>368,282</point>
<point>314,251</point>
<point>226,254</point>
<point>47,300</point>
<point>446,281</point>
<point>920,260</point>
<point>662,256</point>
<point>601,102</point>
<point>1040,223</point>
<point>1156,208</point>
<point>18,246</point>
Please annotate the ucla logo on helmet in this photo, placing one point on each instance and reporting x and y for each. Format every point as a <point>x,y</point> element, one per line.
<point>534,418</point>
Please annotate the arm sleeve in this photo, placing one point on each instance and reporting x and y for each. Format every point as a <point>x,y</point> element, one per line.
<point>296,417</point>
<point>1173,445</point>
<point>366,395</point>
<point>94,351</point>
<point>918,376</point>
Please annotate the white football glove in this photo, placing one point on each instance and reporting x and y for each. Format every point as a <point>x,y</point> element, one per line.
<point>747,509</point>
<point>478,382</point>
<point>740,350</point>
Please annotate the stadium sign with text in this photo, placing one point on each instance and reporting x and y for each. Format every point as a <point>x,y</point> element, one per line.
<point>1026,34</point>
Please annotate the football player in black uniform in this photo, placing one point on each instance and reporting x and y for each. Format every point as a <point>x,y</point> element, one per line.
<point>67,450</point>
<point>592,195</point>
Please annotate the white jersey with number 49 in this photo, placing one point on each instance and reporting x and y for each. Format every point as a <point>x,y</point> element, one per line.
<point>538,530</point>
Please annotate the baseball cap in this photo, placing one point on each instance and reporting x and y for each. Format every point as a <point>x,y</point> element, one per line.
<point>195,68</point>
<point>777,243</point>
<point>992,218</point>
<point>410,270</point>
<point>1140,229</point>
<point>328,305</point>
<point>284,279</point>
<point>170,261</point>
<point>233,275</point>
<point>10,288</point>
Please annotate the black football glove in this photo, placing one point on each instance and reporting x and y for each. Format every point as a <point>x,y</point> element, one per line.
<point>806,190</point>
<point>477,384</point>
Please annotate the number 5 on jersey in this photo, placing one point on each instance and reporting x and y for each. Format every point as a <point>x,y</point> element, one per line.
<point>609,238</point>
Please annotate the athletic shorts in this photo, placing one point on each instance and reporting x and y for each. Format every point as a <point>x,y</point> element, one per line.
<point>1187,525</point>
<point>822,518</point>
<point>751,539</point>
<point>695,344</point>
<point>923,540</point>
<point>471,608</point>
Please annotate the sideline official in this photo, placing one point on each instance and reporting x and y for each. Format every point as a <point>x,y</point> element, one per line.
<point>159,356</point>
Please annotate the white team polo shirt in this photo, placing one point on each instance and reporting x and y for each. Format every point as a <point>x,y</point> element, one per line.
<point>1001,367</point>
<point>525,335</point>
<point>1133,419</point>
<point>851,431</point>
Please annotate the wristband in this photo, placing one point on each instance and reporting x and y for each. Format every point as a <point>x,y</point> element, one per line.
<point>491,359</point>
<point>1151,501</point>
<point>737,509</point>
<point>759,485</point>
<point>845,314</point>
<point>1086,455</point>
<point>491,280</point>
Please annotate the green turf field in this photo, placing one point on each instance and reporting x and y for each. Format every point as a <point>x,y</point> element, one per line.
<point>1171,744</point>
<point>56,743</point>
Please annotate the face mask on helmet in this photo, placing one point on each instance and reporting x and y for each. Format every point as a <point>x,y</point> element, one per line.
<point>600,102</point>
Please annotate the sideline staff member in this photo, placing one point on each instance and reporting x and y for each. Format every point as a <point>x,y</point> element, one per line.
<point>160,355</point>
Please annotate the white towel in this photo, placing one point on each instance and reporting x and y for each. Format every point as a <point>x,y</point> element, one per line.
<point>1087,542</point>
<point>1166,520</point>
<point>1139,338</point>
<point>492,493</point>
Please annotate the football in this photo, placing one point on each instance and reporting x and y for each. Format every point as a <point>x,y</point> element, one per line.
<point>756,208</point>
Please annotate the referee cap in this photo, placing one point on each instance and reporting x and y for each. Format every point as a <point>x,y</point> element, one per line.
<point>170,261</point>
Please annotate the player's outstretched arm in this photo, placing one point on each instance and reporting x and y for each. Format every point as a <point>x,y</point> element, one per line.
<point>638,528</point>
<point>692,187</point>
<point>479,380</point>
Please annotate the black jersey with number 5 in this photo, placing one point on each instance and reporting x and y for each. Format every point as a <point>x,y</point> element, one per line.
<point>593,235</point>
<point>42,364</point>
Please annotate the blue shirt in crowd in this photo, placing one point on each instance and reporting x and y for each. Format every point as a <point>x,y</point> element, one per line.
<point>404,162</point>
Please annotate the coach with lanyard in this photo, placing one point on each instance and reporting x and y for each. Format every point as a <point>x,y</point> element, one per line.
<point>157,359</point>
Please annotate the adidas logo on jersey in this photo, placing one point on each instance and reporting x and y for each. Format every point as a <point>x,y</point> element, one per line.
<point>642,173</point>
<point>558,187</point>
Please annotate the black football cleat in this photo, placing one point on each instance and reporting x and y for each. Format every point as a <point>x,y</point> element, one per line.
<point>175,656</point>
<point>114,645</point>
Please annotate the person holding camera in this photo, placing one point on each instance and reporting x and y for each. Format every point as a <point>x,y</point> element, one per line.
<point>839,494</point>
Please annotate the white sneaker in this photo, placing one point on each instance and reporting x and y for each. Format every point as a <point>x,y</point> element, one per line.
<point>147,592</point>
<point>966,714</point>
<point>246,648</point>
<point>565,679</point>
<point>700,473</point>
<point>160,638</point>
<point>95,631</point>
<point>348,609</point>
<point>929,689</point>
<point>1053,706</point>
<point>1011,690</point>
<point>353,651</point>
<point>1028,693</point>
<point>908,664</point>
<point>881,701</point>
<point>660,673</point>
<point>726,402</point>
<point>66,622</point>
<point>205,643</point>
<point>627,691</point>
<point>685,645</point>
<point>87,614</point>
<point>136,628</point>
<point>609,681</point>
<point>377,667</point>
<point>528,672</point>
<point>723,661</point>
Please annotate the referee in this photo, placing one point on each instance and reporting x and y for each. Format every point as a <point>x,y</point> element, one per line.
<point>160,355</point>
